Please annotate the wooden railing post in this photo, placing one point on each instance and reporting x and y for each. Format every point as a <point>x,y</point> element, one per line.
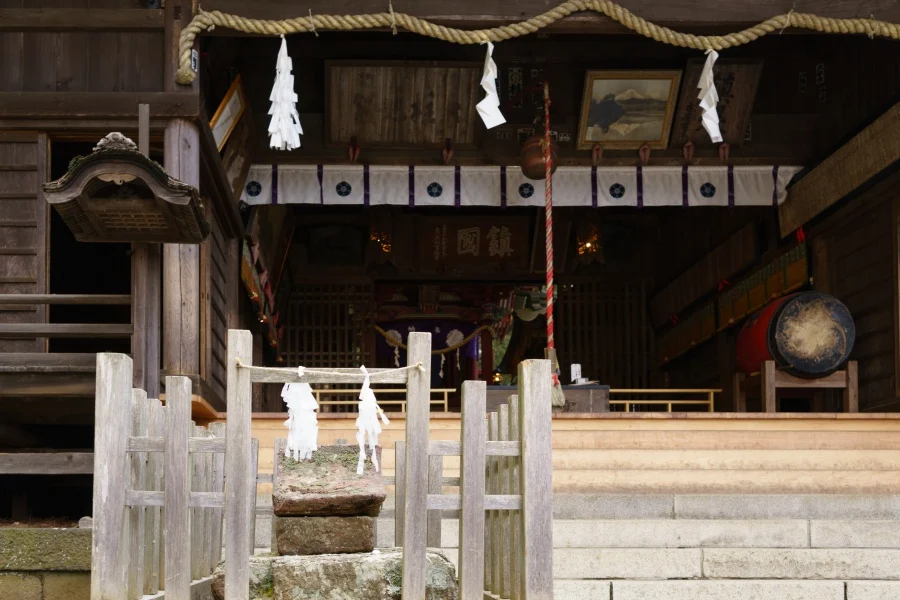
<point>140,415</point>
<point>515,533</point>
<point>536,479</point>
<point>238,546</point>
<point>472,491</point>
<point>112,416</point>
<point>177,491</point>
<point>416,506</point>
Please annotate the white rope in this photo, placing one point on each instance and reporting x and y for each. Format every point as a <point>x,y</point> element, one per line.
<point>301,371</point>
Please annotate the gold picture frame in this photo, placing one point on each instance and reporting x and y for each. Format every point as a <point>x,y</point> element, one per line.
<point>627,109</point>
<point>229,113</point>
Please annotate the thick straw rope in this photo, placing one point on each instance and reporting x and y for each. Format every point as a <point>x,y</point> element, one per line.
<point>208,20</point>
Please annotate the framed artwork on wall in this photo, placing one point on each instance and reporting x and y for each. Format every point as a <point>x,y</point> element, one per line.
<point>626,109</point>
<point>228,114</point>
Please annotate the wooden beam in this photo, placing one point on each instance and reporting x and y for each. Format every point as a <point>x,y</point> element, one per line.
<point>96,105</point>
<point>26,331</point>
<point>80,19</point>
<point>47,463</point>
<point>873,151</point>
<point>488,13</point>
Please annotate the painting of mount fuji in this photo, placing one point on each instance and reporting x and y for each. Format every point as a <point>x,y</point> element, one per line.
<point>626,109</point>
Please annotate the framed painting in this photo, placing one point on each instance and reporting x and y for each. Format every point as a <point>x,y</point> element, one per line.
<point>228,114</point>
<point>626,109</point>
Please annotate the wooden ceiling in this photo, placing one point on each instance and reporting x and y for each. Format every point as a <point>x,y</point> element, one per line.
<point>813,91</point>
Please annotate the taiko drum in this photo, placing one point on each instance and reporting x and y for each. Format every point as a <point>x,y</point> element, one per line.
<point>807,334</point>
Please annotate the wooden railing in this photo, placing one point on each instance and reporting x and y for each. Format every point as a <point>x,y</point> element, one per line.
<point>65,330</point>
<point>442,400</point>
<point>639,398</point>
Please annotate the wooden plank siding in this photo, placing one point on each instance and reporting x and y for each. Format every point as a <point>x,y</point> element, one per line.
<point>854,258</point>
<point>216,279</point>
<point>24,227</point>
<point>81,61</point>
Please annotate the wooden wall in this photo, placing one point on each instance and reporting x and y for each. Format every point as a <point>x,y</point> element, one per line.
<point>24,227</point>
<point>94,61</point>
<point>853,258</point>
<point>218,275</point>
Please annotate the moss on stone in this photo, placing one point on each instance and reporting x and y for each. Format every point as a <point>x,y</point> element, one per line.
<point>40,549</point>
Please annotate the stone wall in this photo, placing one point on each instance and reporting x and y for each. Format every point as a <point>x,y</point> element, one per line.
<point>45,564</point>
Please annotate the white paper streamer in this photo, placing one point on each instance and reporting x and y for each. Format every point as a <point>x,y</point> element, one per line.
<point>284,128</point>
<point>709,97</point>
<point>489,107</point>
<point>303,428</point>
<point>367,424</point>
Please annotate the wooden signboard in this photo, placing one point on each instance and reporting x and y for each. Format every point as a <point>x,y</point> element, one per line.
<point>736,83</point>
<point>402,104</point>
<point>228,114</point>
<point>486,244</point>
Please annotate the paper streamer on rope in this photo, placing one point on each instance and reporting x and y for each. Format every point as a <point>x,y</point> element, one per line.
<point>489,107</point>
<point>284,128</point>
<point>367,424</point>
<point>709,97</point>
<point>303,428</point>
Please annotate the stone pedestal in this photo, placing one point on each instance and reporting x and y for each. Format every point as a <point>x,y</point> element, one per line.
<point>323,535</point>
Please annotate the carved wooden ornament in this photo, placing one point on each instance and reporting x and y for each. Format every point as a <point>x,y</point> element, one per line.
<point>116,194</point>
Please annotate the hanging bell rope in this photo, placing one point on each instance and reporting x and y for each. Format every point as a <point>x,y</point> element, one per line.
<point>208,20</point>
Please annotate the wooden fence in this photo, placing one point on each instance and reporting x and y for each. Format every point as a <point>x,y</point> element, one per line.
<point>505,488</point>
<point>159,490</point>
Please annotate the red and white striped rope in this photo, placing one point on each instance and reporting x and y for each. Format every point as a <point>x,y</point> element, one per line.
<point>548,213</point>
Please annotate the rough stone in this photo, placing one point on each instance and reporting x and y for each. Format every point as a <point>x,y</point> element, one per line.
<point>20,586</point>
<point>260,579</point>
<point>324,535</point>
<point>873,590</point>
<point>327,485</point>
<point>38,549</point>
<point>855,534</point>
<point>626,563</point>
<point>67,586</point>
<point>374,576</point>
<point>728,590</point>
<point>765,563</point>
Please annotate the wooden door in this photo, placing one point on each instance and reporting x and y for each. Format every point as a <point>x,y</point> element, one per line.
<point>24,227</point>
<point>331,324</point>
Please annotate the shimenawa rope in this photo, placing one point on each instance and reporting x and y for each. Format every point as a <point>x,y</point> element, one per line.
<point>207,20</point>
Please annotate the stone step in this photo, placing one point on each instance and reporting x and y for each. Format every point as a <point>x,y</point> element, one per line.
<point>726,590</point>
<point>851,507</point>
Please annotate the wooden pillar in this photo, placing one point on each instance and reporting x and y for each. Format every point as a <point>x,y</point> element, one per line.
<point>181,262</point>
<point>768,390</point>
<point>487,355</point>
<point>146,294</point>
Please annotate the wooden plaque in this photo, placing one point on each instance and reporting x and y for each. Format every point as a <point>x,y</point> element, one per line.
<point>736,82</point>
<point>229,112</point>
<point>485,244</point>
<point>402,104</point>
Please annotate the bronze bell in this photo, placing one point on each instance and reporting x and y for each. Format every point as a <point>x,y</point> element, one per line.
<point>532,157</point>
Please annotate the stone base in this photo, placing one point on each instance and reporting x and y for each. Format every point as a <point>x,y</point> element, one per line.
<point>324,535</point>
<point>368,576</point>
<point>327,485</point>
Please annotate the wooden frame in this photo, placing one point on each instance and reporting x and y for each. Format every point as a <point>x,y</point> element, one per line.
<point>228,113</point>
<point>591,77</point>
<point>770,379</point>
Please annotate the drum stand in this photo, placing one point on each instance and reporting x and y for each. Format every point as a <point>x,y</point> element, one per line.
<point>770,379</point>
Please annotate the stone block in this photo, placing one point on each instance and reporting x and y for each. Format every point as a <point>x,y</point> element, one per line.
<point>873,590</point>
<point>324,535</point>
<point>566,589</point>
<point>764,563</point>
<point>855,534</point>
<point>260,579</point>
<point>680,533</point>
<point>626,563</point>
<point>39,549</point>
<point>373,576</point>
<point>67,586</point>
<point>787,506</point>
<point>384,533</point>
<point>327,485</point>
<point>728,590</point>
<point>613,506</point>
<point>20,586</point>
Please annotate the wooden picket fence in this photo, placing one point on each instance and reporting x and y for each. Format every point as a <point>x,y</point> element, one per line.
<point>159,491</point>
<point>504,505</point>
